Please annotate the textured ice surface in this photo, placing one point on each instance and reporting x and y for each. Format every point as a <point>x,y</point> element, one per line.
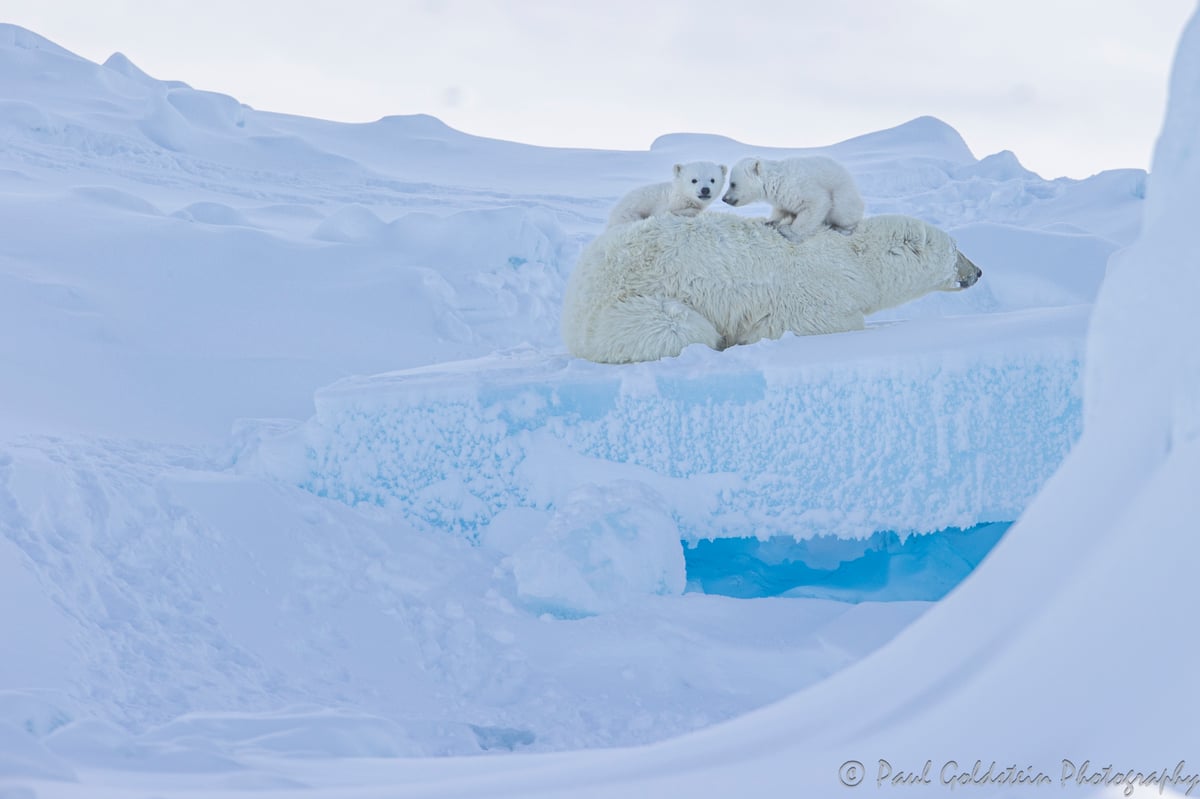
<point>909,428</point>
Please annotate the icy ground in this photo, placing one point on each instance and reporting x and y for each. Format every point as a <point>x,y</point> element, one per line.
<point>467,543</point>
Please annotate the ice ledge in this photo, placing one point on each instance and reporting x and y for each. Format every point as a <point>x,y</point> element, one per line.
<point>915,426</point>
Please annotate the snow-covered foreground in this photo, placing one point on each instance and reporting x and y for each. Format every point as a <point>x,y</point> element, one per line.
<point>213,586</point>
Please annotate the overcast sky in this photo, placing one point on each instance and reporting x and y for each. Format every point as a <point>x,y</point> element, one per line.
<point>1071,86</point>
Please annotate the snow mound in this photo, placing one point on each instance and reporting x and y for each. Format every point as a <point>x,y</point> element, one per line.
<point>210,213</point>
<point>91,742</point>
<point>209,110</point>
<point>109,197</point>
<point>25,117</point>
<point>670,143</point>
<point>403,126</point>
<point>289,211</point>
<point>482,239</point>
<point>120,63</point>
<point>16,37</point>
<point>310,734</point>
<point>165,127</point>
<point>354,223</point>
<point>494,268</point>
<point>22,755</point>
<point>1035,267</point>
<point>1001,166</point>
<point>606,545</point>
<point>925,136</point>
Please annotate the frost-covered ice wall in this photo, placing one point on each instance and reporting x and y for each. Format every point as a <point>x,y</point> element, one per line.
<point>938,423</point>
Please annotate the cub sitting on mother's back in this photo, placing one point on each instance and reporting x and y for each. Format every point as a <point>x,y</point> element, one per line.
<point>808,194</point>
<point>695,186</point>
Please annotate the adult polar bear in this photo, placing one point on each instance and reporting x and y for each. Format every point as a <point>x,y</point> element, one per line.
<point>647,290</point>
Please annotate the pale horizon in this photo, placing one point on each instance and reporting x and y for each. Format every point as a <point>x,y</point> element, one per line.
<point>1070,94</point>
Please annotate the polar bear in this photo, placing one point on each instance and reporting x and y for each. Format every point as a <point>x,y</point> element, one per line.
<point>808,194</point>
<point>695,186</point>
<point>643,292</point>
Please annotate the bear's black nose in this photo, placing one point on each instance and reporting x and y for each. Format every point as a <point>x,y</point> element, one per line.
<point>704,191</point>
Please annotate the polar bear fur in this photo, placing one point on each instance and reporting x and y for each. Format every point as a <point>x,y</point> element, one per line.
<point>806,194</point>
<point>647,290</point>
<point>694,187</point>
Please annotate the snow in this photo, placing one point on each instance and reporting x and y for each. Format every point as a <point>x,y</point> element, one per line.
<point>299,494</point>
<point>605,546</point>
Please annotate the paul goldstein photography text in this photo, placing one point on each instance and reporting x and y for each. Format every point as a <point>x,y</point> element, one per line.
<point>955,774</point>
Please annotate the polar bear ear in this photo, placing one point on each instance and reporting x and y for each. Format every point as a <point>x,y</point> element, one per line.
<point>678,169</point>
<point>757,168</point>
<point>724,170</point>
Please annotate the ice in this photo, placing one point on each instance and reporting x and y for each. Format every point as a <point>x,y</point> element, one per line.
<point>882,566</point>
<point>959,423</point>
<point>299,493</point>
<point>606,544</point>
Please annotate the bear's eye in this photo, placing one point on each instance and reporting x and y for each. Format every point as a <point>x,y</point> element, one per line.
<point>712,180</point>
<point>733,185</point>
<point>695,181</point>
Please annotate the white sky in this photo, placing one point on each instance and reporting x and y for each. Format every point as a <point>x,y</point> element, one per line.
<point>1071,86</point>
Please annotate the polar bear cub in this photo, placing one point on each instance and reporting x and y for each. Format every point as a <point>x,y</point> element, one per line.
<point>695,186</point>
<point>808,194</point>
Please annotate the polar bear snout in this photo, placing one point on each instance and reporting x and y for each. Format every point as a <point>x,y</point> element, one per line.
<point>705,191</point>
<point>734,196</point>
<point>968,273</point>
